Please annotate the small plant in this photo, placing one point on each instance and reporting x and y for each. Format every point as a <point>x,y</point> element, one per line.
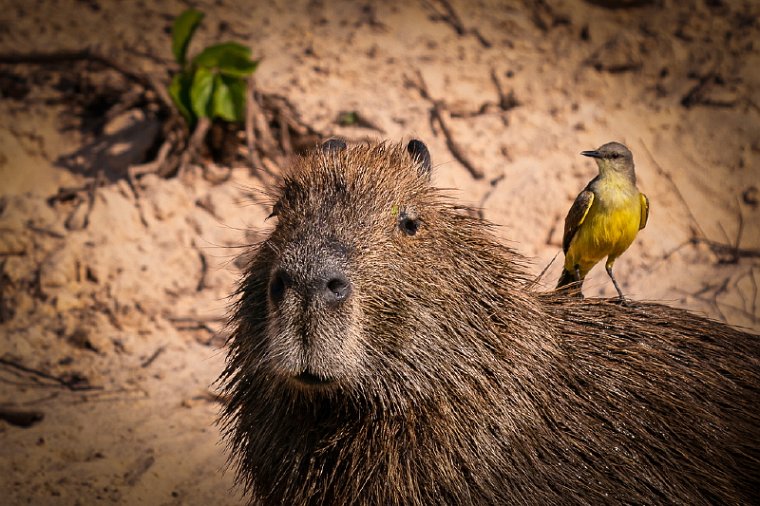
<point>212,84</point>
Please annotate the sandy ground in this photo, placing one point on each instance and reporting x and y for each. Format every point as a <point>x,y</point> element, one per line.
<point>124,310</point>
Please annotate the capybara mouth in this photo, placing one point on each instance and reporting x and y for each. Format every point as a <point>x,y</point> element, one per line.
<point>308,378</point>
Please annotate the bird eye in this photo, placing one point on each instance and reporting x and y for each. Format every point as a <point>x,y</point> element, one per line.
<point>408,224</point>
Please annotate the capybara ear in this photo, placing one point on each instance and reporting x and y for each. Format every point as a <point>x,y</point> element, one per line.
<point>421,156</point>
<point>333,145</point>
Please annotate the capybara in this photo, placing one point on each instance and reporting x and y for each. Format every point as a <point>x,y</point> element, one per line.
<point>387,349</point>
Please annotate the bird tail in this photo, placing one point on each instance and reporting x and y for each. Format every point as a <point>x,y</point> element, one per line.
<point>569,284</point>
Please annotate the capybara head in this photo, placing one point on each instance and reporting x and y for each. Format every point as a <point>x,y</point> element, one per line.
<point>355,272</point>
<point>386,349</point>
<point>346,233</point>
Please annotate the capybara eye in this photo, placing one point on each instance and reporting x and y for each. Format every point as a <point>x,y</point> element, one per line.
<point>277,285</point>
<point>409,225</point>
<point>339,287</point>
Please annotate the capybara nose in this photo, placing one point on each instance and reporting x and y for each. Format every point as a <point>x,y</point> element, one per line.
<point>336,288</point>
<point>330,287</point>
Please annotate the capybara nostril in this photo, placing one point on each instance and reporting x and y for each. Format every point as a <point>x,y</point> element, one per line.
<point>277,285</point>
<point>337,288</point>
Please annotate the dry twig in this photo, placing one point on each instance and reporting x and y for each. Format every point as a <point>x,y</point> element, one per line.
<point>695,228</point>
<point>543,16</point>
<point>132,476</point>
<point>507,101</point>
<point>45,231</point>
<point>450,16</point>
<point>204,272</point>
<point>72,222</point>
<point>437,116</point>
<point>698,94</point>
<point>153,356</point>
<point>75,382</point>
<point>87,54</point>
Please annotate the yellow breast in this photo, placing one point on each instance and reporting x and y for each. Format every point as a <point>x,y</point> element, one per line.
<point>610,226</point>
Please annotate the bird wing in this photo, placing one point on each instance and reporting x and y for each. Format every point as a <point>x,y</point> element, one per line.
<point>644,210</point>
<point>575,217</point>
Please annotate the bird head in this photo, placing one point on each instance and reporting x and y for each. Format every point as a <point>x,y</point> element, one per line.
<point>612,157</point>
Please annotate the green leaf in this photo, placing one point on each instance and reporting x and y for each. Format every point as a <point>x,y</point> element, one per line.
<point>238,91</point>
<point>229,98</point>
<point>201,91</point>
<point>179,90</point>
<point>222,104</point>
<point>232,66</point>
<point>182,31</point>
<point>212,55</point>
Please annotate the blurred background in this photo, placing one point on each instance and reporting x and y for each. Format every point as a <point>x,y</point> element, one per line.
<point>124,223</point>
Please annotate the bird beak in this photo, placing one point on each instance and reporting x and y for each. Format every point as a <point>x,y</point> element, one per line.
<point>592,154</point>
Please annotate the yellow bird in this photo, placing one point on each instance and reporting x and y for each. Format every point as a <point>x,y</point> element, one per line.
<point>605,217</point>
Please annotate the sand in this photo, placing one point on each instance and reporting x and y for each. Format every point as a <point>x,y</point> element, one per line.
<point>121,298</point>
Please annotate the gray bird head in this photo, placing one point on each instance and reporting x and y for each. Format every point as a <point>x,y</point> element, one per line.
<point>613,157</point>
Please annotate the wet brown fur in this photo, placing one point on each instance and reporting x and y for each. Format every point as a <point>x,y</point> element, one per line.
<point>452,383</point>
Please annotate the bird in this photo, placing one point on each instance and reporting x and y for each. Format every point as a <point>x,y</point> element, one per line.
<point>604,218</point>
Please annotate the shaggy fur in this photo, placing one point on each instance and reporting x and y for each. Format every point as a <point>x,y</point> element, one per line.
<point>442,379</point>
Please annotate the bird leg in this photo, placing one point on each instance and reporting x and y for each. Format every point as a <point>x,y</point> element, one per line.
<point>614,282</point>
<point>578,284</point>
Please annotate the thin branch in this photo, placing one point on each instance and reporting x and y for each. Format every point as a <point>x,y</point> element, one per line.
<point>728,250</point>
<point>725,234</point>
<point>451,17</point>
<point>487,195</point>
<point>204,272</point>
<point>738,289</point>
<point>66,193</point>
<point>75,383</point>
<point>437,108</point>
<point>153,356</point>
<point>132,476</point>
<point>453,146</point>
<point>91,189</point>
<point>696,229</point>
<point>155,165</point>
<point>713,301</point>
<point>45,231</point>
<point>722,288</point>
<point>195,143</point>
<point>697,95</point>
<point>87,54</point>
<point>507,101</point>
